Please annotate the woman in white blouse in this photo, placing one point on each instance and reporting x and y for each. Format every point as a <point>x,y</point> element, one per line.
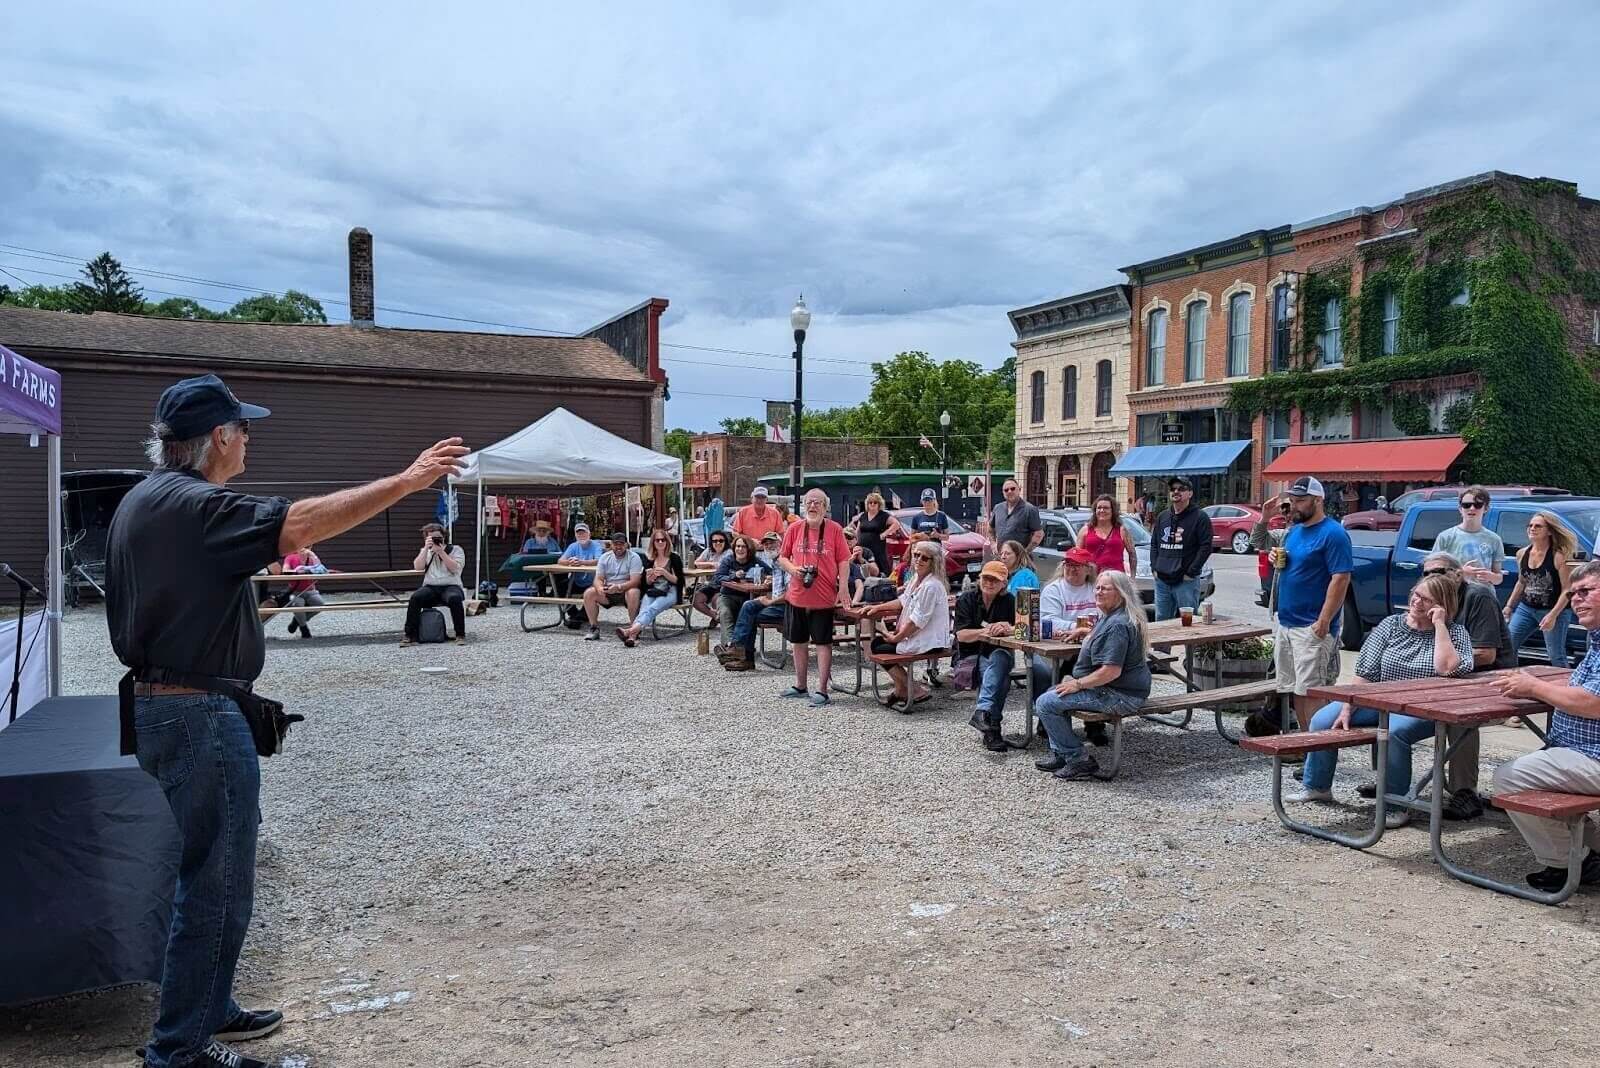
<point>924,620</point>
<point>1420,643</point>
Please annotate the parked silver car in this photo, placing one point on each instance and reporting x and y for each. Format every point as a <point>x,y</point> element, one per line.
<point>1061,533</point>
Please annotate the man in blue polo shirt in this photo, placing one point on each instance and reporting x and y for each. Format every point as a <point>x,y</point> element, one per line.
<point>1311,591</point>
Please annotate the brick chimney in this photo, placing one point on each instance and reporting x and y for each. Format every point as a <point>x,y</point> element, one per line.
<point>361,298</point>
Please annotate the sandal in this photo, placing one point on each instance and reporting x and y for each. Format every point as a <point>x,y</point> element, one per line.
<point>622,632</point>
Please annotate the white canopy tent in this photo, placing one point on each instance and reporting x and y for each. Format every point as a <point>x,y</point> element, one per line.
<point>563,450</point>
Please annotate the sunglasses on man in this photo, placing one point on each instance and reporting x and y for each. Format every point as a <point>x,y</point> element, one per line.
<point>1471,505</point>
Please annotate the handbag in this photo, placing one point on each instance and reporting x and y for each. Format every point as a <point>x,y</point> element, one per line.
<point>658,588</point>
<point>965,676</point>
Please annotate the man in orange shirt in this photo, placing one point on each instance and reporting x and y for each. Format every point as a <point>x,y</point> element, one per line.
<point>817,561</point>
<point>757,520</point>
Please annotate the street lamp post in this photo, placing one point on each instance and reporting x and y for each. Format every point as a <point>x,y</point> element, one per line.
<point>800,319</point>
<point>944,456</point>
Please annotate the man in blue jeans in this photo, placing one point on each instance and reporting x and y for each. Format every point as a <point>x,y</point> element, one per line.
<point>182,616</point>
<point>1179,548</point>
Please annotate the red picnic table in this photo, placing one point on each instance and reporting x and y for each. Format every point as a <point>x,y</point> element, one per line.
<point>1463,702</point>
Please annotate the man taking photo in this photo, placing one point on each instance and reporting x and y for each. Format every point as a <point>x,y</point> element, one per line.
<point>182,616</point>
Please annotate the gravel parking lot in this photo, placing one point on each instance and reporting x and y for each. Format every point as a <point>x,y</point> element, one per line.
<point>575,853</point>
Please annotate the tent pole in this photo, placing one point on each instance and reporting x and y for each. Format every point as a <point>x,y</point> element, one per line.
<point>627,520</point>
<point>477,563</point>
<point>54,594</point>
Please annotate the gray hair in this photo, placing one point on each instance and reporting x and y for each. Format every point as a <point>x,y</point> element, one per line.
<point>1443,558</point>
<point>827,504</point>
<point>169,455</point>
<point>1590,569</point>
<point>935,550</point>
<point>1131,604</point>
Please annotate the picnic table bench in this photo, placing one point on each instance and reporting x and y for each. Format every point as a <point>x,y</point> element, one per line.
<point>1448,702</point>
<point>528,617</point>
<point>375,578</point>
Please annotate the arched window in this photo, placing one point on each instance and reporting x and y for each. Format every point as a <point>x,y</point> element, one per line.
<point>1238,335</point>
<point>1036,397</point>
<point>1069,393</point>
<point>1280,328</point>
<point>1155,356</point>
<point>1102,388</point>
<point>1194,352</point>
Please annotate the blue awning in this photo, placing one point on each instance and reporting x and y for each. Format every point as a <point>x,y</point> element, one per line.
<point>1202,458</point>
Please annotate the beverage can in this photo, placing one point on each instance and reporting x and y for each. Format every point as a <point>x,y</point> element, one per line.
<point>1047,629</point>
<point>1207,612</point>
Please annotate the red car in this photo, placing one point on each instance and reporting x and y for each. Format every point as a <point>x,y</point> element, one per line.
<point>963,550</point>
<point>1389,518</point>
<point>1231,525</point>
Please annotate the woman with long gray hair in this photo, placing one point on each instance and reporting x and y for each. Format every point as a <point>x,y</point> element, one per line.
<point>1112,675</point>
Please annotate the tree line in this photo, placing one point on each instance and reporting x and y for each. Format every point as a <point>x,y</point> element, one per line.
<point>107,287</point>
<point>909,391</point>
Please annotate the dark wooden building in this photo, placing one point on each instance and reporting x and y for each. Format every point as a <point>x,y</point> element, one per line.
<point>350,402</point>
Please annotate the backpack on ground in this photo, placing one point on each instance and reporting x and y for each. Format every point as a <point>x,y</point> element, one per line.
<point>431,628</point>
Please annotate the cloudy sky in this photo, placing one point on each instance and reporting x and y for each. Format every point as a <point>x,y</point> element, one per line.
<point>915,169</point>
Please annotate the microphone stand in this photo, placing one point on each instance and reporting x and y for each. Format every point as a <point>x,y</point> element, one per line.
<point>16,664</point>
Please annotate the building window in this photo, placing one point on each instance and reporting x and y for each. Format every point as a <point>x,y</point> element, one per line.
<point>1238,335</point>
<point>1069,393</point>
<point>1332,339</point>
<point>1149,429</point>
<point>1464,297</point>
<point>1102,388</point>
<point>1036,396</point>
<point>1155,356</point>
<point>1280,328</point>
<point>1391,323</point>
<point>1277,433</point>
<point>1194,351</point>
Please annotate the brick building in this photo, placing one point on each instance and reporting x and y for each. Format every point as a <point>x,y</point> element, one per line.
<point>1290,299</point>
<point>1072,396</point>
<point>729,465</point>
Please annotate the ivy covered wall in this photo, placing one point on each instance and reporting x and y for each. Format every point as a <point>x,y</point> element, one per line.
<point>1536,415</point>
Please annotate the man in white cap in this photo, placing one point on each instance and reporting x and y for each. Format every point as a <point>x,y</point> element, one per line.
<point>758,520</point>
<point>1311,593</point>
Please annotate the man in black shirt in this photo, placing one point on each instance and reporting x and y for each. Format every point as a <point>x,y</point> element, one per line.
<point>181,550</point>
<point>987,612</point>
<point>1179,548</point>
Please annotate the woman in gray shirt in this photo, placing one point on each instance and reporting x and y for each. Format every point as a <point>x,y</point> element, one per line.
<point>1112,675</point>
<point>1419,643</point>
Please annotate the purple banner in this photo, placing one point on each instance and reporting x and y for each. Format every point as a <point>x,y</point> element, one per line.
<point>30,396</point>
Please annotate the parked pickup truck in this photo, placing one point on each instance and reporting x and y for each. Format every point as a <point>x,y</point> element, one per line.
<point>1389,563</point>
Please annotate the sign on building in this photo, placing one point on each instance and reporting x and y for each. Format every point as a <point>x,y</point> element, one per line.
<point>975,486</point>
<point>1171,433</point>
<point>779,415</point>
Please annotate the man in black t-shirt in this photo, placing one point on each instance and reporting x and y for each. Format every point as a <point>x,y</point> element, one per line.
<point>182,616</point>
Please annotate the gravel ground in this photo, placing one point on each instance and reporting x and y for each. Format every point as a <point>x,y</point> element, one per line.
<point>575,853</point>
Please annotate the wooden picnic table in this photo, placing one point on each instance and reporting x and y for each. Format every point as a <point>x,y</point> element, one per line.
<point>332,576</point>
<point>530,602</point>
<point>376,578</point>
<point>1471,701</point>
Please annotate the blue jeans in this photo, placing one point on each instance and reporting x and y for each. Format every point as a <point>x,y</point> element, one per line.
<point>751,615</point>
<point>1404,732</point>
<point>1525,623</point>
<point>1052,710</point>
<point>198,747</point>
<point>1042,671</point>
<point>654,606</point>
<point>994,685</point>
<point>1170,598</point>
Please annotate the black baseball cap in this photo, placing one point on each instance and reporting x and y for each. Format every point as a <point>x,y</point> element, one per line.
<point>1179,480</point>
<point>196,406</point>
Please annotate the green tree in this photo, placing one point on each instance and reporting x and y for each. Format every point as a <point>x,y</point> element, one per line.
<point>182,308</point>
<point>911,390</point>
<point>677,443</point>
<point>293,307</point>
<point>745,427</point>
<point>46,298</point>
<point>108,288</point>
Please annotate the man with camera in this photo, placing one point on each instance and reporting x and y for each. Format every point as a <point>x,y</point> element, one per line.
<point>441,566</point>
<point>182,617</point>
<point>817,561</point>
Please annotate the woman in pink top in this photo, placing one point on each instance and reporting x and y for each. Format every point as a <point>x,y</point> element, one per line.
<point>302,594</point>
<point>1104,539</point>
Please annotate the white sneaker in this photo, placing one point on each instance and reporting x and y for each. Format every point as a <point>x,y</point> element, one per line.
<point>1305,795</point>
<point>1396,818</point>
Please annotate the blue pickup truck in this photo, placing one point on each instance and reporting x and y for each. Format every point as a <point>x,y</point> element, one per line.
<point>1388,563</point>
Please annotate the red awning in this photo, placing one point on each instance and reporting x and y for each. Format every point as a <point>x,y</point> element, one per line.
<point>1392,460</point>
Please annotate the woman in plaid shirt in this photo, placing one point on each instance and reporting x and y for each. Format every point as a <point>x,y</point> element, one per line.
<point>1570,761</point>
<point>1419,643</point>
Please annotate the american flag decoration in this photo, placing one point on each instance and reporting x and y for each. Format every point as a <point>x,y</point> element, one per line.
<point>924,442</point>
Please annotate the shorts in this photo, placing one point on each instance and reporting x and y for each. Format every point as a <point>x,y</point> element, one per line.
<point>615,600</point>
<point>1302,660</point>
<point>803,626</point>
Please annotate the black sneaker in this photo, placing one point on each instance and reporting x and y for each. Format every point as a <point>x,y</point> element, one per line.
<point>305,631</point>
<point>1082,766</point>
<point>294,625</point>
<point>993,742</point>
<point>216,1055</point>
<point>1462,805</point>
<point>250,1024</point>
<point>1053,762</point>
<point>1548,880</point>
<point>1097,733</point>
<point>1368,790</point>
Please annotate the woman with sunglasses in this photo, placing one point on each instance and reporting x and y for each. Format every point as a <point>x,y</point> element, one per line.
<point>923,625</point>
<point>1481,552</point>
<point>1103,540</point>
<point>662,585</point>
<point>872,527</point>
<point>715,552</point>
<point>1420,643</point>
<point>1539,599</point>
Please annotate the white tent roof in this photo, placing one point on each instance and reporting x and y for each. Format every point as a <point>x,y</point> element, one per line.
<point>564,450</point>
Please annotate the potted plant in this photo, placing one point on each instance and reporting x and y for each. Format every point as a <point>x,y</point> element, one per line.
<point>1242,661</point>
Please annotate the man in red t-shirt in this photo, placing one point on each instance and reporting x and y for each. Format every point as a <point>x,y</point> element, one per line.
<point>755,521</point>
<point>817,561</point>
